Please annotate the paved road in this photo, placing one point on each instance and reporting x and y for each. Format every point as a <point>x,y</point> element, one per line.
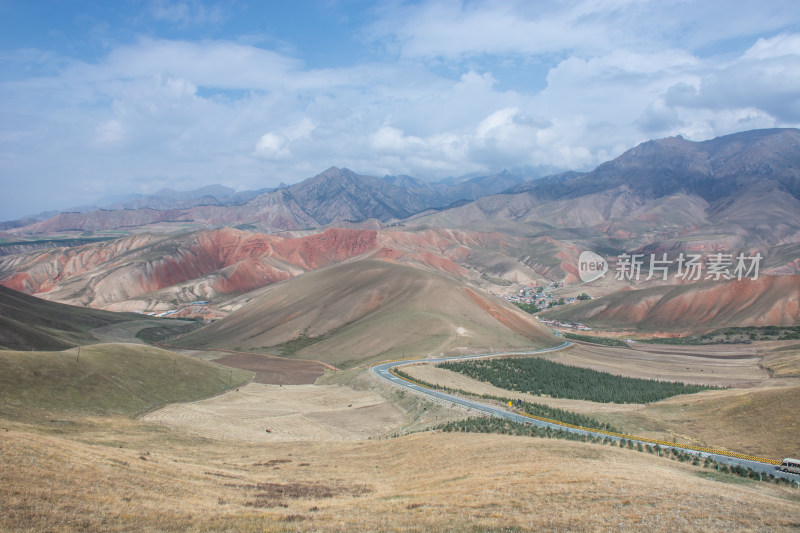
<point>382,371</point>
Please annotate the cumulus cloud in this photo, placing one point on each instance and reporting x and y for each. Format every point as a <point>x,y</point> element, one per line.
<point>276,145</point>
<point>441,88</point>
<point>272,146</point>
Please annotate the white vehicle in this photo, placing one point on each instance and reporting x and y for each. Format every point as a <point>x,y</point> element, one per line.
<point>790,465</point>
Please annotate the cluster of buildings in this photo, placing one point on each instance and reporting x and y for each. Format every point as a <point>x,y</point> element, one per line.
<point>542,298</point>
<point>538,296</point>
<point>560,324</point>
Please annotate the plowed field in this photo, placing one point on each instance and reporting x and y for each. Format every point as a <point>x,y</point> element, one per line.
<point>275,371</point>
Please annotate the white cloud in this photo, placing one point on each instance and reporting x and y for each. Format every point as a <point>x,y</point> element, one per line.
<point>272,146</point>
<point>457,29</point>
<point>448,94</point>
<point>496,123</point>
<point>783,45</point>
<point>276,145</point>
<point>300,130</point>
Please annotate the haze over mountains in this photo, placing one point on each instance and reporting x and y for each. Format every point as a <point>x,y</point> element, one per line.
<point>334,196</point>
<point>735,193</point>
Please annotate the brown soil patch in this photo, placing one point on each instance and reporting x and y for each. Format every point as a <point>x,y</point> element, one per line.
<point>274,371</point>
<point>290,413</point>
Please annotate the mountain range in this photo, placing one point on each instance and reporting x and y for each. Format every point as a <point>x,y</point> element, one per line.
<point>333,196</point>
<point>669,190</point>
<point>735,192</point>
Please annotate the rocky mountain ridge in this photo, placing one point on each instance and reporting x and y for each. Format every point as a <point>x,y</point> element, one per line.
<point>337,195</point>
<point>742,190</point>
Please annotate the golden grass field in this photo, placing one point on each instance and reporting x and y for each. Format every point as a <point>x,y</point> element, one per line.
<point>330,463</point>
<point>783,360</point>
<point>291,413</point>
<point>147,478</point>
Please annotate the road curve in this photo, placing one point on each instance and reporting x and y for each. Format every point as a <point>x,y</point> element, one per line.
<point>383,371</point>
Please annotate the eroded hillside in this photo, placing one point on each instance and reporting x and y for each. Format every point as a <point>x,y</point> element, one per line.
<point>368,310</point>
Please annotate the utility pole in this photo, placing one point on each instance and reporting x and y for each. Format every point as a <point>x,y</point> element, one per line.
<point>79,355</point>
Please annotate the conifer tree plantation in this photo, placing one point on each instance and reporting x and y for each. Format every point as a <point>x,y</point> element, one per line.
<point>543,377</point>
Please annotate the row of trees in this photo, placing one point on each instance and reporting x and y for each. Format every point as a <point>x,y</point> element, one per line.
<point>507,427</point>
<point>607,341</point>
<point>734,335</point>
<point>568,417</point>
<point>534,409</point>
<point>543,377</point>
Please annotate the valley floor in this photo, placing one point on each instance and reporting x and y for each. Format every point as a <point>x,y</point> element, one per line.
<point>329,462</point>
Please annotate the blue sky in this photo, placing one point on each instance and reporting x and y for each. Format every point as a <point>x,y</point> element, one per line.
<point>110,97</point>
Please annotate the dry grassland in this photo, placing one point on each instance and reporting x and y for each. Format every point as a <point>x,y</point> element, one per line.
<point>212,466</point>
<point>761,421</point>
<point>726,366</point>
<point>422,482</point>
<point>782,358</point>
<point>291,413</point>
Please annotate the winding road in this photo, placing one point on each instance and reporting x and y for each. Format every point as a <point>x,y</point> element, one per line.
<point>383,371</point>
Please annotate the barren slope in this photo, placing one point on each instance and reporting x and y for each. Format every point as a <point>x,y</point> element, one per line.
<point>367,310</point>
<point>739,190</point>
<point>769,300</point>
<point>144,272</point>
